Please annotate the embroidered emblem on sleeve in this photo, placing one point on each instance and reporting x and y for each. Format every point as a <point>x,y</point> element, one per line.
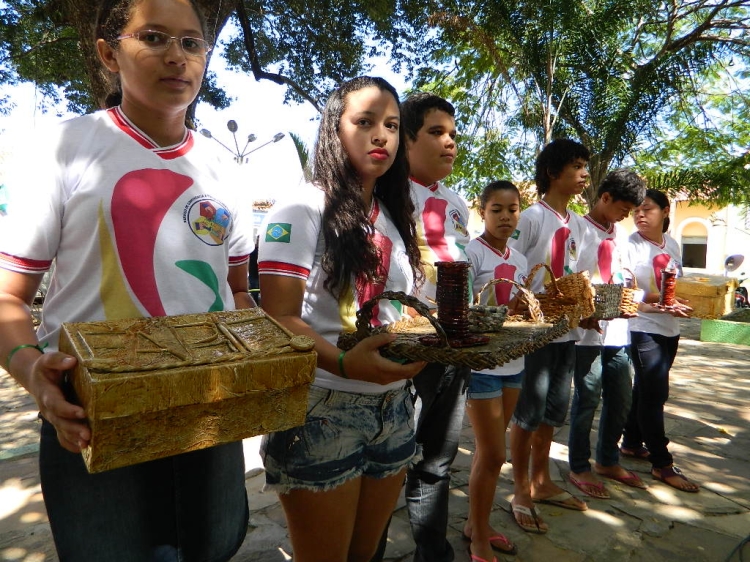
<point>279,232</point>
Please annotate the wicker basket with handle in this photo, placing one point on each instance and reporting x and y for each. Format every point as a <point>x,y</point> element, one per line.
<point>553,302</point>
<point>628,303</point>
<point>512,341</point>
<point>607,299</point>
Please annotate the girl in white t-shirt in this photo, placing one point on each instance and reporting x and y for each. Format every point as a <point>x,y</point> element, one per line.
<point>344,239</point>
<point>135,212</point>
<point>654,334</point>
<point>492,393</point>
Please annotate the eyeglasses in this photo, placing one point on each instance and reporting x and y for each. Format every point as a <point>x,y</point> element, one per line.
<point>160,41</point>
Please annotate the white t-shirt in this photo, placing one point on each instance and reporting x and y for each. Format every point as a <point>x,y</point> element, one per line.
<point>293,245</point>
<point>647,259</point>
<point>134,229</point>
<point>442,219</point>
<point>488,263</point>
<point>605,257</point>
<point>545,236</point>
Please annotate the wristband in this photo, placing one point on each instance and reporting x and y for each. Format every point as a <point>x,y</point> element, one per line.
<point>39,348</point>
<point>342,372</point>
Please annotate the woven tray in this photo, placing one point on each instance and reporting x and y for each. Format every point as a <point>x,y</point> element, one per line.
<point>514,339</point>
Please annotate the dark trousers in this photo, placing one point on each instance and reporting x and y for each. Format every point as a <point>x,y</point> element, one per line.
<point>652,356</point>
<point>439,411</point>
<point>188,507</point>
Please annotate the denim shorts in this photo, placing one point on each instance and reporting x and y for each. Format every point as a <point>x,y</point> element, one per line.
<point>545,392</point>
<point>483,386</point>
<point>345,435</point>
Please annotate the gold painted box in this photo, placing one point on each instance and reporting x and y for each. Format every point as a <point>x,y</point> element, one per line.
<point>710,297</point>
<point>156,387</point>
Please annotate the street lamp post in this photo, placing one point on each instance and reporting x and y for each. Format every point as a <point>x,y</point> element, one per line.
<point>240,155</point>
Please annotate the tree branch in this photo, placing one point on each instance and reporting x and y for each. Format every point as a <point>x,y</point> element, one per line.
<point>258,72</point>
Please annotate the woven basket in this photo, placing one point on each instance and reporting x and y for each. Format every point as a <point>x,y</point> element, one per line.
<point>577,286</point>
<point>553,303</point>
<point>533,310</point>
<point>515,339</point>
<point>607,299</point>
<point>628,305</point>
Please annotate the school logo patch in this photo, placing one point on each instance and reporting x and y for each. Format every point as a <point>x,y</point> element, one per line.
<point>279,232</point>
<point>458,223</point>
<point>208,219</point>
<point>516,234</point>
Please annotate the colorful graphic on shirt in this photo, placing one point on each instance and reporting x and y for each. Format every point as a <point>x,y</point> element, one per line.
<point>605,256</point>
<point>113,291</point>
<point>433,218</point>
<point>140,201</point>
<point>659,262</point>
<point>559,250</point>
<point>458,223</point>
<point>203,271</point>
<point>279,232</point>
<point>502,290</point>
<point>368,291</point>
<point>208,220</point>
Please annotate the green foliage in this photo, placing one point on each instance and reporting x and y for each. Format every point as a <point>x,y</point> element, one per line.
<point>606,73</point>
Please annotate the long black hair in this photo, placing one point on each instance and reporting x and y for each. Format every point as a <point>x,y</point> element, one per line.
<point>347,231</point>
<point>111,19</point>
<point>661,199</point>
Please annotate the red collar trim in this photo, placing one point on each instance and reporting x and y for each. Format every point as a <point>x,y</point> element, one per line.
<point>647,239</point>
<point>505,255</point>
<point>565,219</point>
<point>433,187</point>
<point>609,230</point>
<point>167,153</point>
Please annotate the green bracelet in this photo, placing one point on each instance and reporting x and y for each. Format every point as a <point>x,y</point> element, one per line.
<point>342,372</point>
<point>39,348</point>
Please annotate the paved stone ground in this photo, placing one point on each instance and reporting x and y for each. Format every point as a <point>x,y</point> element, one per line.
<point>708,421</point>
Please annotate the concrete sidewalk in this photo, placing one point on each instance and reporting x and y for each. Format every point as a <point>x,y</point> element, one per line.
<point>708,423</point>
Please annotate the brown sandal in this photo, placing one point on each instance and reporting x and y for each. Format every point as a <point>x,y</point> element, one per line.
<point>662,474</point>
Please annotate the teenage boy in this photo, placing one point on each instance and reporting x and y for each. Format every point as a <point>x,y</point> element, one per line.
<point>547,233</point>
<point>441,218</point>
<point>603,369</point>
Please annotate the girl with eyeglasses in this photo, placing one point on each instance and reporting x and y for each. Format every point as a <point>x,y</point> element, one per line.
<point>130,206</point>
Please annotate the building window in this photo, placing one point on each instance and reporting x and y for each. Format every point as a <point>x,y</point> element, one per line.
<point>694,251</point>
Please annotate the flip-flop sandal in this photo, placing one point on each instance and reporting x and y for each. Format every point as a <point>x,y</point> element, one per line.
<point>631,479</point>
<point>531,512</point>
<point>565,500</point>
<point>498,542</point>
<point>641,453</point>
<point>662,474</point>
<point>475,558</point>
<point>592,489</point>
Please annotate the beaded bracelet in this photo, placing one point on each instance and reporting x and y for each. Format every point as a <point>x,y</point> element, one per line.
<point>39,348</point>
<point>342,372</point>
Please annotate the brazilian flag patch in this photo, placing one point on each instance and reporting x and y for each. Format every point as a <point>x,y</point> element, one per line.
<point>516,234</point>
<point>279,232</point>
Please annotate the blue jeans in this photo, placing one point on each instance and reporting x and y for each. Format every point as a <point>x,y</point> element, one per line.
<point>345,435</point>
<point>190,507</point>
<point>600,373</point>
<point>545,391</point>
<point>653,355</point>
<point>440,414</point>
